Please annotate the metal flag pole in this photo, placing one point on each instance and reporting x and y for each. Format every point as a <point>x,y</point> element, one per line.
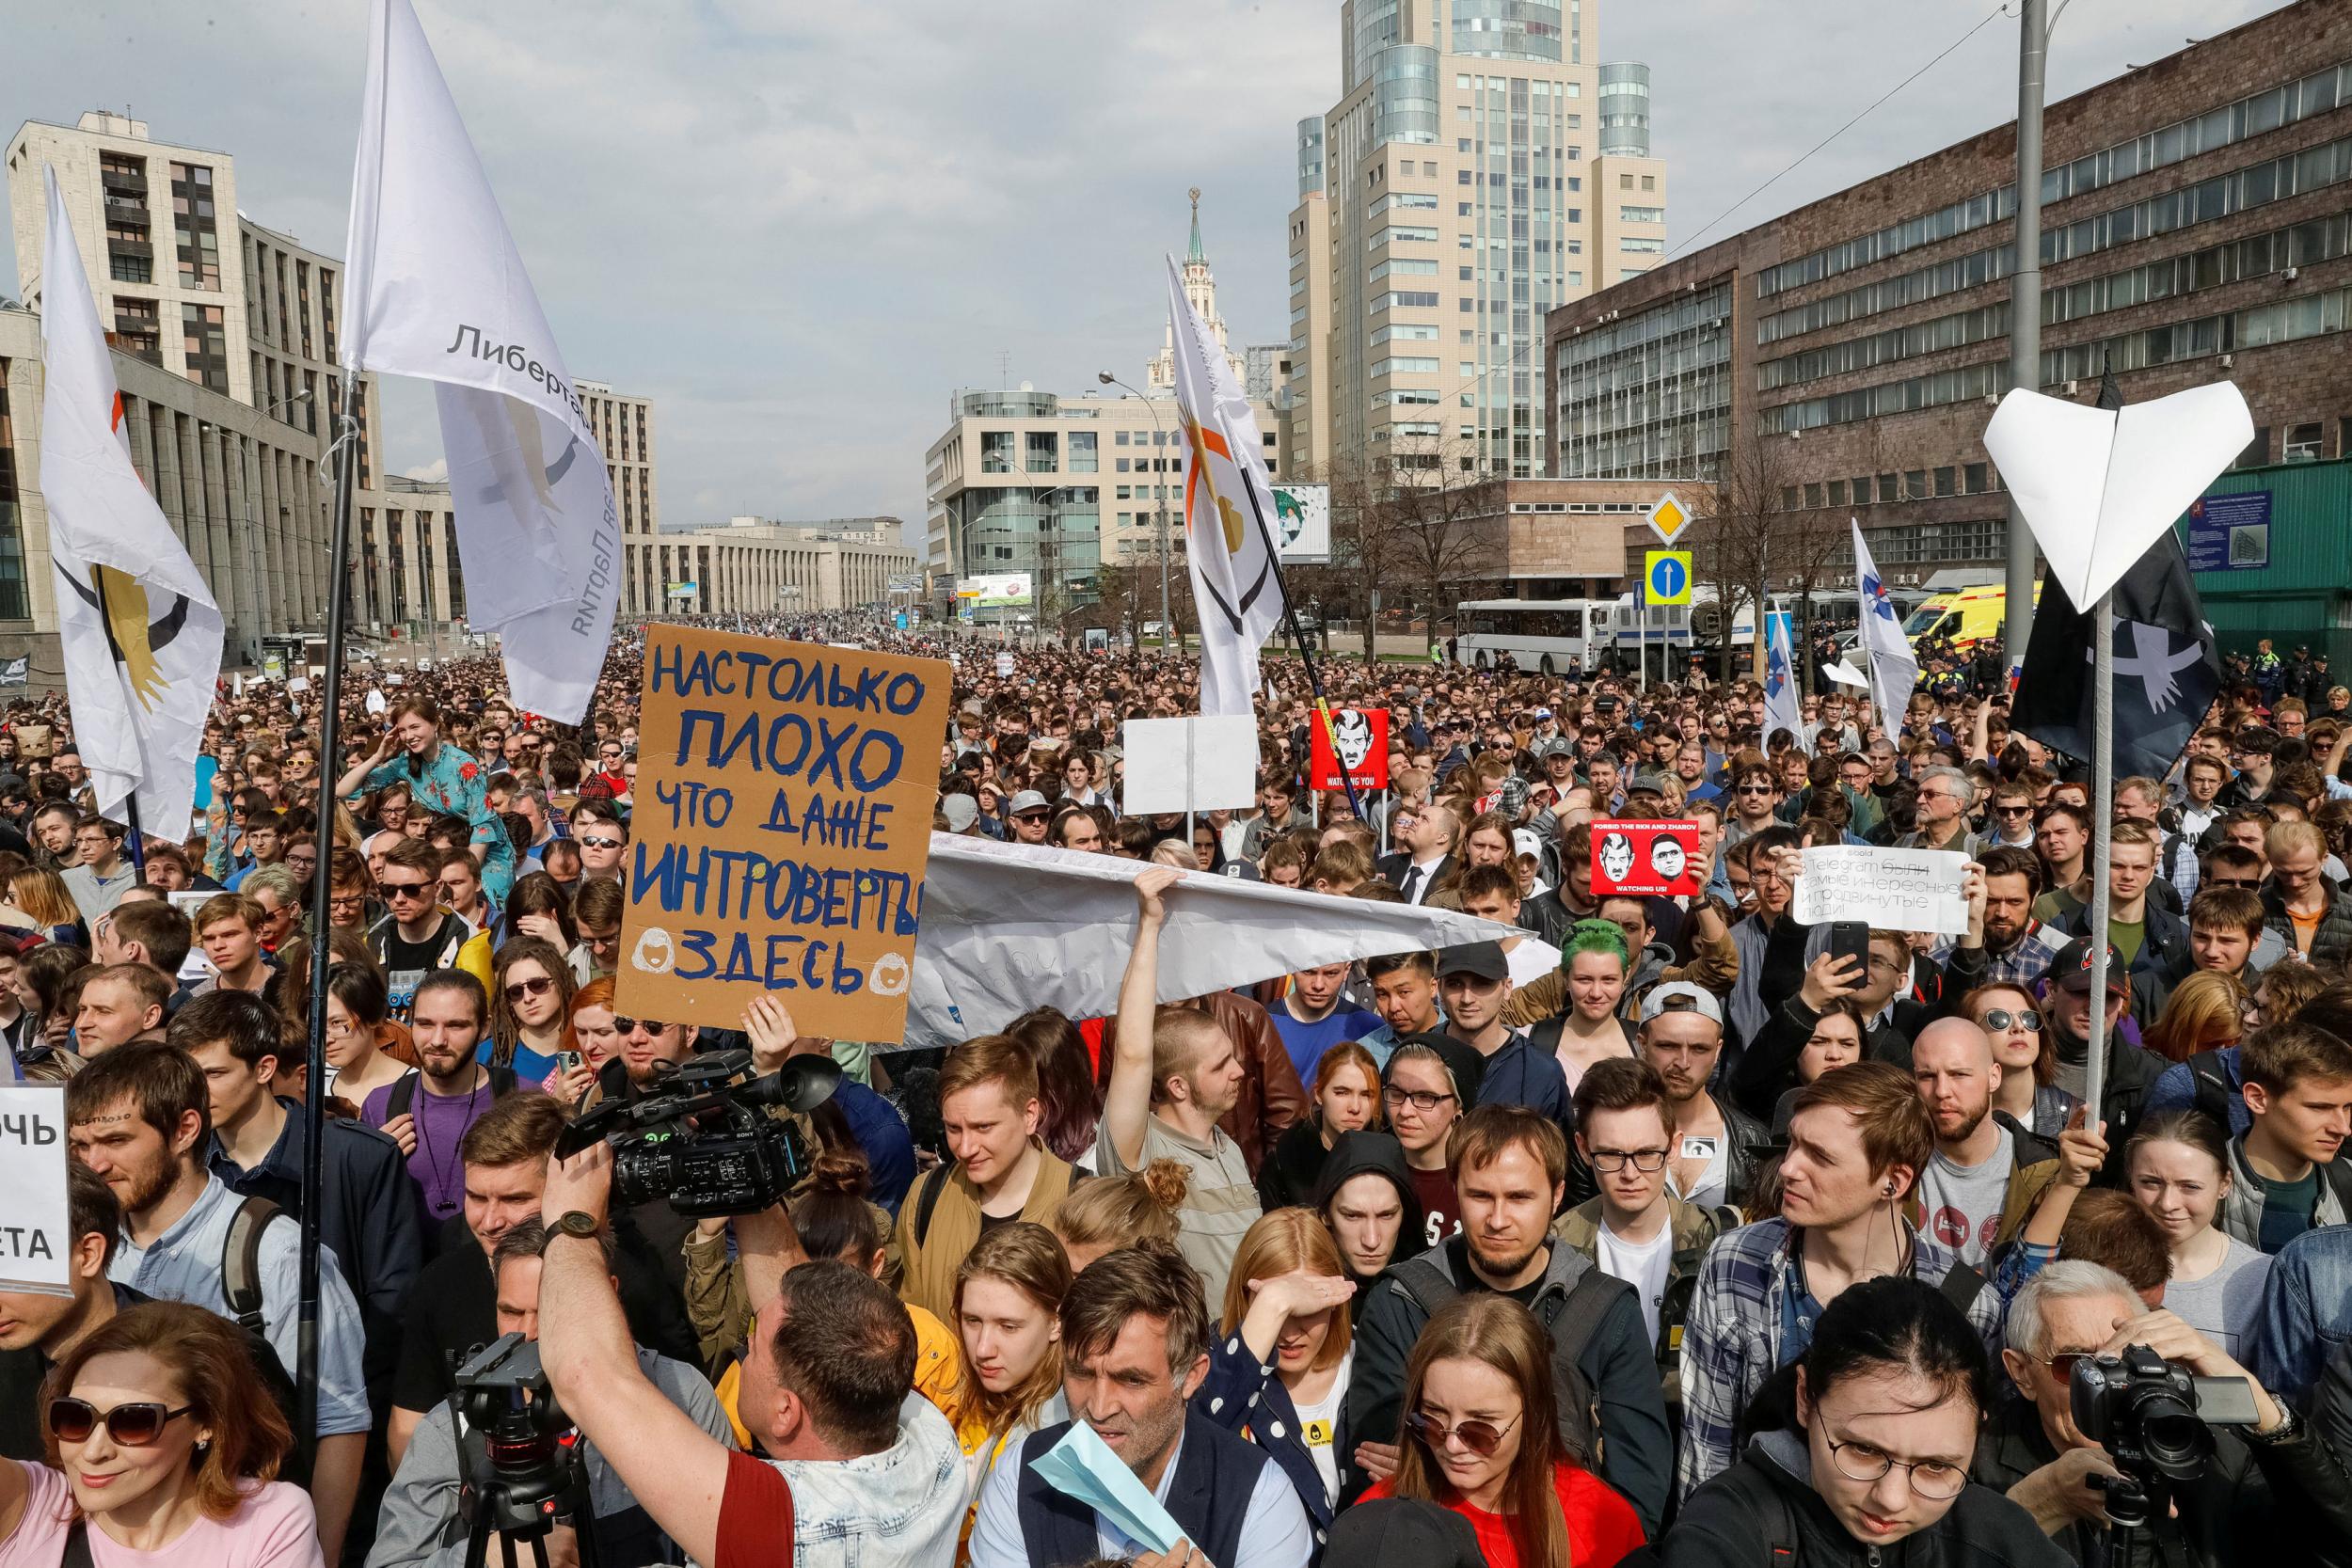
<point>2102,849</point>
<point>1289,617</point>
<point>347,456</point>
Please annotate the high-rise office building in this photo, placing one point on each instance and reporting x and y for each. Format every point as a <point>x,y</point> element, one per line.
<point>1481,167</point>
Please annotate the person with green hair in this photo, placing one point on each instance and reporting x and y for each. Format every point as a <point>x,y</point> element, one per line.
<point>1594,963</point>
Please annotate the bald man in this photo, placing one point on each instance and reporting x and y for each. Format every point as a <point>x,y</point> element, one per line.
<point>1426,856</point>
<point>1988,1171</point>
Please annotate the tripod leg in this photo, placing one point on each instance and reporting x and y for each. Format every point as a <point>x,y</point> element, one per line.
<point>477,1544</point>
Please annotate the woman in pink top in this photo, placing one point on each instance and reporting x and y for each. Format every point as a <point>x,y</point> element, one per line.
<point>162,1446</point>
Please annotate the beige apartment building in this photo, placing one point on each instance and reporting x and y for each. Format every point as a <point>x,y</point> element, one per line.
<point>1481,167</point>
<point>759,566</point>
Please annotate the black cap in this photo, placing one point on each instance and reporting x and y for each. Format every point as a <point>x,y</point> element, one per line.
<point>1484,959</point>
<point>1402,1532</point>
<point>2071,968</point>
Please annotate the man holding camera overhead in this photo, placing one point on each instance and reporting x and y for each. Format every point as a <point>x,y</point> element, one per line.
<point>2062,1464</point>
<point>422,1520</point>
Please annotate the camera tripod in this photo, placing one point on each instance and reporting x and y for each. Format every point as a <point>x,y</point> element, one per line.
<point>2130,1505</point>
<point>525,1509</point>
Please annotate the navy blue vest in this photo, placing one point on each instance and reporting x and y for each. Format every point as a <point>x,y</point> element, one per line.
<point>1217,1474</point>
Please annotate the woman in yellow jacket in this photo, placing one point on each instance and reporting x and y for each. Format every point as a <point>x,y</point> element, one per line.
<point>1008,1312</point>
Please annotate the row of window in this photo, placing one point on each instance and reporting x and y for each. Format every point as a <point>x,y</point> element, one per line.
<point>1965,479</point>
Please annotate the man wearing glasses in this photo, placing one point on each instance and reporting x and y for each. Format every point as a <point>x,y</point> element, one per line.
<point>2253,750</point>
<point>418,936</point>
<point>2012,817</point>
<point>1754,803</point>
<point>1944,795</point>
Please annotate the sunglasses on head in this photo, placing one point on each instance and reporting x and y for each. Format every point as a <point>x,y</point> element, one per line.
<point>132,1426</point>
<point>1480,1437</point>
<point>538,986</point>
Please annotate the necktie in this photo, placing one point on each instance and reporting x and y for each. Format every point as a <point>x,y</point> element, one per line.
<point>1412,882</point>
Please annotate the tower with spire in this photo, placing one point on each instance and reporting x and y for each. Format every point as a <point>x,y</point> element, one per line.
<point>1200,293</point>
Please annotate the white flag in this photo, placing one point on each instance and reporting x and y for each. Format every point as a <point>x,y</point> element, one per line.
<point>434,289</point>
<point>1010,927</point>
<point>1228,502</point>
<point>1892,669</point>
<point>1781,711</point>
<point>140,629</point>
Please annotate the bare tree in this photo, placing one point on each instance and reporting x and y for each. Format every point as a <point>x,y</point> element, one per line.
<point>1736,548</point>
<point>1432,517</point>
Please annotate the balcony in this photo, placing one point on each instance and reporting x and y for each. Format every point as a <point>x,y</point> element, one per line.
<point>130,211</point>
<point>116,245</point>
<point>125,182</point>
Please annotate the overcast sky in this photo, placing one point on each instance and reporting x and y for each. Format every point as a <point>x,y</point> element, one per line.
<point>799,227</point>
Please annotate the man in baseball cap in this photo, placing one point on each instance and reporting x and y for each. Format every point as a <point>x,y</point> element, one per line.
<point>1030,814</point>
<point>1715,1149</point>
<point>2131,1072</point>
<point>1474,982</point>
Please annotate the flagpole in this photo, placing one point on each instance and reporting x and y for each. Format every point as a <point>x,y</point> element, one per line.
<point>114,651</point>
<point>2103,815</point>
<point>1290,618</point>
<point>347,453</point>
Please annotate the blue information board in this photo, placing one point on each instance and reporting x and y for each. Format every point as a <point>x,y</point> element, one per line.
<point>2229,533</point>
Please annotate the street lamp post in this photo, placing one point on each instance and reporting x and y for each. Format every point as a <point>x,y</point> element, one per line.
<point>1158,495</point>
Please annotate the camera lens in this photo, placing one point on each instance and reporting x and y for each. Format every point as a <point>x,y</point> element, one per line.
<point>2174,1440</point>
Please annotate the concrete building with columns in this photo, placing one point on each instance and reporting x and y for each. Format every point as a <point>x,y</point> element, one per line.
<point>759,566</point>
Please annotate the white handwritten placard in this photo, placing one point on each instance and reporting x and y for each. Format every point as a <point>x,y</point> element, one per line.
<point>35,1248</point>
<point>1893,889</point>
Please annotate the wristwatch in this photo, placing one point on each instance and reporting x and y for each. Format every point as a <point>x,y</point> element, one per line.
<point>579,1222</point>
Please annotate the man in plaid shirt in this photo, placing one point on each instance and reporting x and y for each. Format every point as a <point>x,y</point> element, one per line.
<point>1858,1139</point>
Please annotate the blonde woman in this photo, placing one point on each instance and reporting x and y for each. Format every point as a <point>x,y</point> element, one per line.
<point>1121,1211</point>
<point>1279,1373</point>
<point>48,908</point>
<point>1007,1301</point>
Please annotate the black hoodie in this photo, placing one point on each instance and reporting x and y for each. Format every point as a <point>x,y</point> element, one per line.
<point>1351,1156</point>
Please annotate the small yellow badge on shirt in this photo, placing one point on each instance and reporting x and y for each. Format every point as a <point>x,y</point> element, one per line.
<point>1318,1434</point>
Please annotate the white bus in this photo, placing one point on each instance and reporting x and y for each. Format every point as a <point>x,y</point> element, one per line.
<point>1542,636</point>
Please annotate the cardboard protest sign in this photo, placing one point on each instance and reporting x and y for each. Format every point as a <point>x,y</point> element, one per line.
<point>1895,890</point>
<point>1198,763</point>
<point>1647,858</point>
<point>1363,745</point>
<point>36,1244</point>
<point>784,809</point>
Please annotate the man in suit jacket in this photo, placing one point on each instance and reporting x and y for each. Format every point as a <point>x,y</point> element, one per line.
<point>1429,836</point>
<point>1135,1334</point>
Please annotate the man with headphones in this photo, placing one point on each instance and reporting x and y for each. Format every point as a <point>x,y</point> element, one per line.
<point>1858,1139</point>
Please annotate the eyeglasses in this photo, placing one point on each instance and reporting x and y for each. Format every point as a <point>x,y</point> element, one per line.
<point>1612,1160</point>
<point>537,987</point>
<point>599,842</point>
<point>1480,1437</point>
<point>1419,1099</point>
<point>132,1426</point>
<point>1928,1478</point>
<point>631,1026</point>
<point>406,890</point>
<point>2001,1018</point>
<point>2013,810</point>
<point>1755,789</point>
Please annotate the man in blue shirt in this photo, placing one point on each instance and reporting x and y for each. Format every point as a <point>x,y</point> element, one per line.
<point>1314,1015</point>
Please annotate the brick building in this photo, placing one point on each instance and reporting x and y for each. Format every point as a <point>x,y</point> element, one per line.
<point>2197,220</point>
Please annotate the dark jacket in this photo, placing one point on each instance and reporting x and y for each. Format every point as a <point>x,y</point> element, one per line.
<point>371,1222</point>
<point>1765,1506</point>
<point>1392,870</point>
<point>1208,1496</point>
<point>1291,1170</point>
<point>2163,958</point>
<point>2322,1515</point>
<point>1637,1450</point>
<point>1376,1153</point>
<point>1519,1074</point>
<point>2331,943</point>
<point>1244,1396</point>
<point>2131,1072</point>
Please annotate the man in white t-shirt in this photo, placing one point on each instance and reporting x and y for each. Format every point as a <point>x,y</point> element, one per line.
<point>1980,1157</point>
<point>1636,1230</point>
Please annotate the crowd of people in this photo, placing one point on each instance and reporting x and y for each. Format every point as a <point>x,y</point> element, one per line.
<point>1655,1229</point>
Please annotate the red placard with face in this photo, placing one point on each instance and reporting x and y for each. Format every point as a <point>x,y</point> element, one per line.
<point>1645,858</point>
<point>1362,736</point>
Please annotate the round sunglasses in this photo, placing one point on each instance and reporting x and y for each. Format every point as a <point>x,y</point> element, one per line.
<point>1480,1437</point>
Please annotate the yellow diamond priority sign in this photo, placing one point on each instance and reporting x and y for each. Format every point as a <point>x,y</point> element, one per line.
<point>1667,518</point>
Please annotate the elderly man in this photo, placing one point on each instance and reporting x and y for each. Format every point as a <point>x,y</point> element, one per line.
<point>1945,796</point>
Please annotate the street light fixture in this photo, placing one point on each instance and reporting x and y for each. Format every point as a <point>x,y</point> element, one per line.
<point>1158,493</point>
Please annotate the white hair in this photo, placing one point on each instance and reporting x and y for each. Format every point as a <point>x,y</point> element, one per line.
<point>2068,1279</point>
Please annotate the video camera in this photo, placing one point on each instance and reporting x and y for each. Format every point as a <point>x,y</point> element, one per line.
<point>2156,1422</point>
<point>701,1138</point>
<point>521,1471</point>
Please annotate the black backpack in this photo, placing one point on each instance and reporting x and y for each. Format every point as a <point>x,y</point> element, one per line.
<point>404,1096</point>
<point>1571,1327</point>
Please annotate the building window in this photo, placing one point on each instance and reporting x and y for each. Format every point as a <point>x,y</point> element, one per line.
<point>196,231</point>
<point>13,603</point>
<point>206,342</point>
<point>1974,476</point>
<point>2303,443</point>
<point>139,330</point>
<point>1946,482</point>
<point>1082,456</point>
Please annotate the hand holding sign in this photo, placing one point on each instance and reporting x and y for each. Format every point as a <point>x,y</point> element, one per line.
<point>1890,890</point>
<point>1645,858</point>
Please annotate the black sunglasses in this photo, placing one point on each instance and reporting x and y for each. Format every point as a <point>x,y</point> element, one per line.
<point>137,1425</point>
<point>631,1026</point>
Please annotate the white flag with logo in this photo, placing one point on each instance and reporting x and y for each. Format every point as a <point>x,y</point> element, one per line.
<point>1228,502</point>
<point>1892,669</point>
<point>436,289</point>
<point>139,627</point>
<point>1781,711</point>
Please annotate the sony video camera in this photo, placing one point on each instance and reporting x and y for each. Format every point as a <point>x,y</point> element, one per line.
<point>701,1138</point>
<point>521,1467</point>
<point>2156,1422</point>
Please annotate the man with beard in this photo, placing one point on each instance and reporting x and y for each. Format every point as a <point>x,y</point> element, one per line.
<point>141,1116</point>
<point>1135,1336</point>
<point>1715,1144</point>
<point>1987,1171</point>
<point>1174,1072</point>
<point>2004,941</point>
<point>428,1112</point>
<point>1510,1167</point>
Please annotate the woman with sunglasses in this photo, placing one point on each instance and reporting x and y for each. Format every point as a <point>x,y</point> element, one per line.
<point>1482,1439</point>
<point>1888,1400</point>
<point>2011,1017</point>
<point>530,1001</point>
<point>162,1449</point>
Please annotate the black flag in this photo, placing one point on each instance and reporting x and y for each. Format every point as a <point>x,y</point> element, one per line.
<point>2167,670</point>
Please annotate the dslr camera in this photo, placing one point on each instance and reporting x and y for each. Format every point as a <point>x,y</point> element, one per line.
<point>701,1138</point>
<point>2156,1422</point>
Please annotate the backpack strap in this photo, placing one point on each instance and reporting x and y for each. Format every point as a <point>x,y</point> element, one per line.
<point>1961,1286</point>
<point>1423,1284</point>
<point>1579,1319</point>
<point>76,1553</point>
<point>2212,1083</point>
<point>934,1182</point>
<point>402,1099</point>
<point>240,1261</point>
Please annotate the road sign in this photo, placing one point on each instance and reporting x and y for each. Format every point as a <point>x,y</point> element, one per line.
<point>1667,518</point>
<point>1666,577</point>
